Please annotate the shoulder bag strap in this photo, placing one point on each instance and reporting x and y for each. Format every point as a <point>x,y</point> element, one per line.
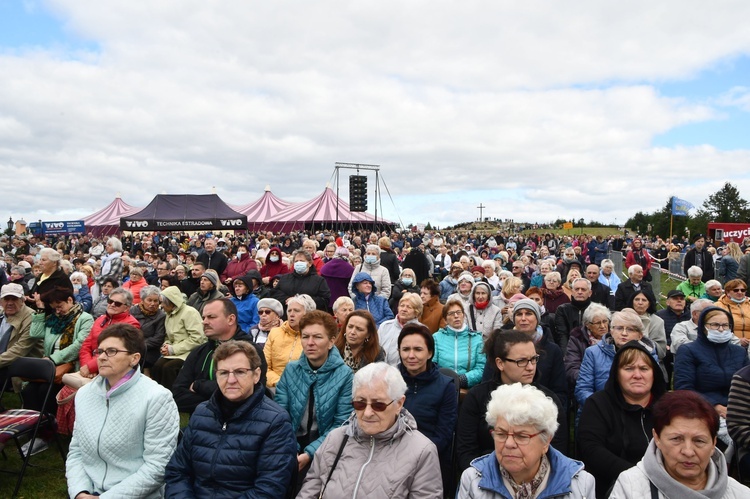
<point>335,462</point>
<point>654,490</point>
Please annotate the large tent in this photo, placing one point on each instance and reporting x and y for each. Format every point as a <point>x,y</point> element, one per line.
<point>106,222</point>
<point>263,210</point>
<point>323,211</point>
<point>185,212</point>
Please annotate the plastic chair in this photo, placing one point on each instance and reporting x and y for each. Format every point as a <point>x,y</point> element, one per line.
<point>17,424</point>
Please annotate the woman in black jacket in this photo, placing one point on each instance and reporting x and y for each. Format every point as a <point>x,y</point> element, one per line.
<point>615,426</point>
<point>304,279</point>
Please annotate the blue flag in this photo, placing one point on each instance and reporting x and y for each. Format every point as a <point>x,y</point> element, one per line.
<point>680,207</point>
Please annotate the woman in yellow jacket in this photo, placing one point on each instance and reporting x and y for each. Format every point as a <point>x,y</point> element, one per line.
<point>736,302</point>
<point>283,344</point>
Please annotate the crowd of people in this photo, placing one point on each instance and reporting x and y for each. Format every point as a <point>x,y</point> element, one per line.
<point>358,364</point>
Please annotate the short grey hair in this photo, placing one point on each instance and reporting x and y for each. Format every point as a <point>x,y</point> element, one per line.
<point>608,263</point>
<point>628,317</point>
<point>695,271</point>
<point>700,305</point>
<point>633,268</point>
<point>523,405</point>
<point>594,311</point>
<point>341,300</point>
<point>18,269</point>
<point>712,283</point>
<point>553,275</point>
<point>305,301</point>
<point>66,266</point>
<point>380,372</point>
<point>147,291</point>
<point>116,244</point>
<point>372,247</point>
<point>51,254</point>
<point>124,293</point>
<point>79,275</point>
<point>588,283</point>
<point>304,253</point>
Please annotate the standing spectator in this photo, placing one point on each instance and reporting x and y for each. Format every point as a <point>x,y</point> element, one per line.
<point>388,258</point>
<point>638,255</point>
<point>700,257</point>
<point>112,262</point>
<point>211,258</point>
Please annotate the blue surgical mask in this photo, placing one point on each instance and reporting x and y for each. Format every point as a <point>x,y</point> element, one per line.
<point>371,259</point>
<point>408,281</point>
<point>300,267</point>
<point>274,258</point>
<point>741,300</point>
<point>716,336</point>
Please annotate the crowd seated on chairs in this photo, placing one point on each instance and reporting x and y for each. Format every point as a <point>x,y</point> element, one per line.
<point>481,334</point>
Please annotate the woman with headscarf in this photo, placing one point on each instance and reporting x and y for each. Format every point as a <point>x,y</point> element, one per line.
<point>338,272</point>
<point>638,255</point>
<point>273,266</point>
<point>483,315</point>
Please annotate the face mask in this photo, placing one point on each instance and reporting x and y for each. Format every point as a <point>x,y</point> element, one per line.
<point>76,286</point>
<point>371,259</point>
<point>300,267</point>
<point>736,300</point>
<point>477,279</point>
<point>240,253</point>
<point>716,336</point>
<point>408,281</point>
<point>274,259</point>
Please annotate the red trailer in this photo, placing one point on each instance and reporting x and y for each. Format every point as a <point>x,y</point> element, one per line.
<point>727,232</point>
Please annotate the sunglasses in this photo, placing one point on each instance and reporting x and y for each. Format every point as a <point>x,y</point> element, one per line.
<point>265,312</point>
<point>117,303</point>
<point>361,405</point>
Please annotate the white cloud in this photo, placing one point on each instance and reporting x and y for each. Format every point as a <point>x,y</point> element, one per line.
<point>558,103</point>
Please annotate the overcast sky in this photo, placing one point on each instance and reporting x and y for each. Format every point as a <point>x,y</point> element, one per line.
<point>537,110</point>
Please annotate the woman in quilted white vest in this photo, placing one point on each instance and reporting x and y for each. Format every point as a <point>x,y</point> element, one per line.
<point>126,425</point>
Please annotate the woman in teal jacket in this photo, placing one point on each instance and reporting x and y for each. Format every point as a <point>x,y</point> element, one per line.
<point>321,373</point>
<point>459,348</point>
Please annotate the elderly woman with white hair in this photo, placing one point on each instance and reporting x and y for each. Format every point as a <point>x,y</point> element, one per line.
<point>52,276</point>
<point>524,465</point>
<point>284,344</point>
<point>714,290</point>
<point>81,290</point>
<point>693,288</point>
<point>111,261</point>
<point>379,453</point>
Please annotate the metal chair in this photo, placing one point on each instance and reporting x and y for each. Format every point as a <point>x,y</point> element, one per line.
<point>18,424</point>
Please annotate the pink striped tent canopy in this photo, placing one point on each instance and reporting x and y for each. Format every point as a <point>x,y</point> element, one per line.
<point>262,210</point>
<point>106,222</point>
<point>319,210</point>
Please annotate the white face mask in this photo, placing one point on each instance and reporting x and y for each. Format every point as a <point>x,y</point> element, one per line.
<point>274,258</point>
<point>716,336</point>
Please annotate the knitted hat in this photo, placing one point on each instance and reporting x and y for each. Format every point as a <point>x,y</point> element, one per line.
<point>528,304</point>
<point>211,276</point>
<point>273,304</point>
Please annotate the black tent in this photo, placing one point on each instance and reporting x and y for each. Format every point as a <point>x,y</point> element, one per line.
<point>185,212</point>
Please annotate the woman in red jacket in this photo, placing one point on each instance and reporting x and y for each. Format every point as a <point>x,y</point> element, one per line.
<point>638,255</point>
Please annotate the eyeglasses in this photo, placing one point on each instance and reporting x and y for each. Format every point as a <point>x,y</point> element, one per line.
<point>718,325</point>
<point>455,313</point>
<point>601,323</point>
<point>620,329</point>
<point>361,405</point>
<point>265,312</point>
<point>520,438</point>
<point>109,352</point>
<point>238,373</point>
<point>738,290</point>
<point>524,362</point>
<point>110,301</point>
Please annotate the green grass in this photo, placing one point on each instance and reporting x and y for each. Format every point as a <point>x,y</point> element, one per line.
<point>45,475</point>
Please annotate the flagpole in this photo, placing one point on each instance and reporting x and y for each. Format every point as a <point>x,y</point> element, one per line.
<point>671,218</point>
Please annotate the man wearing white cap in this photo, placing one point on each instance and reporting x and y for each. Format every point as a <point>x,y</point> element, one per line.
<point>15,326</point>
